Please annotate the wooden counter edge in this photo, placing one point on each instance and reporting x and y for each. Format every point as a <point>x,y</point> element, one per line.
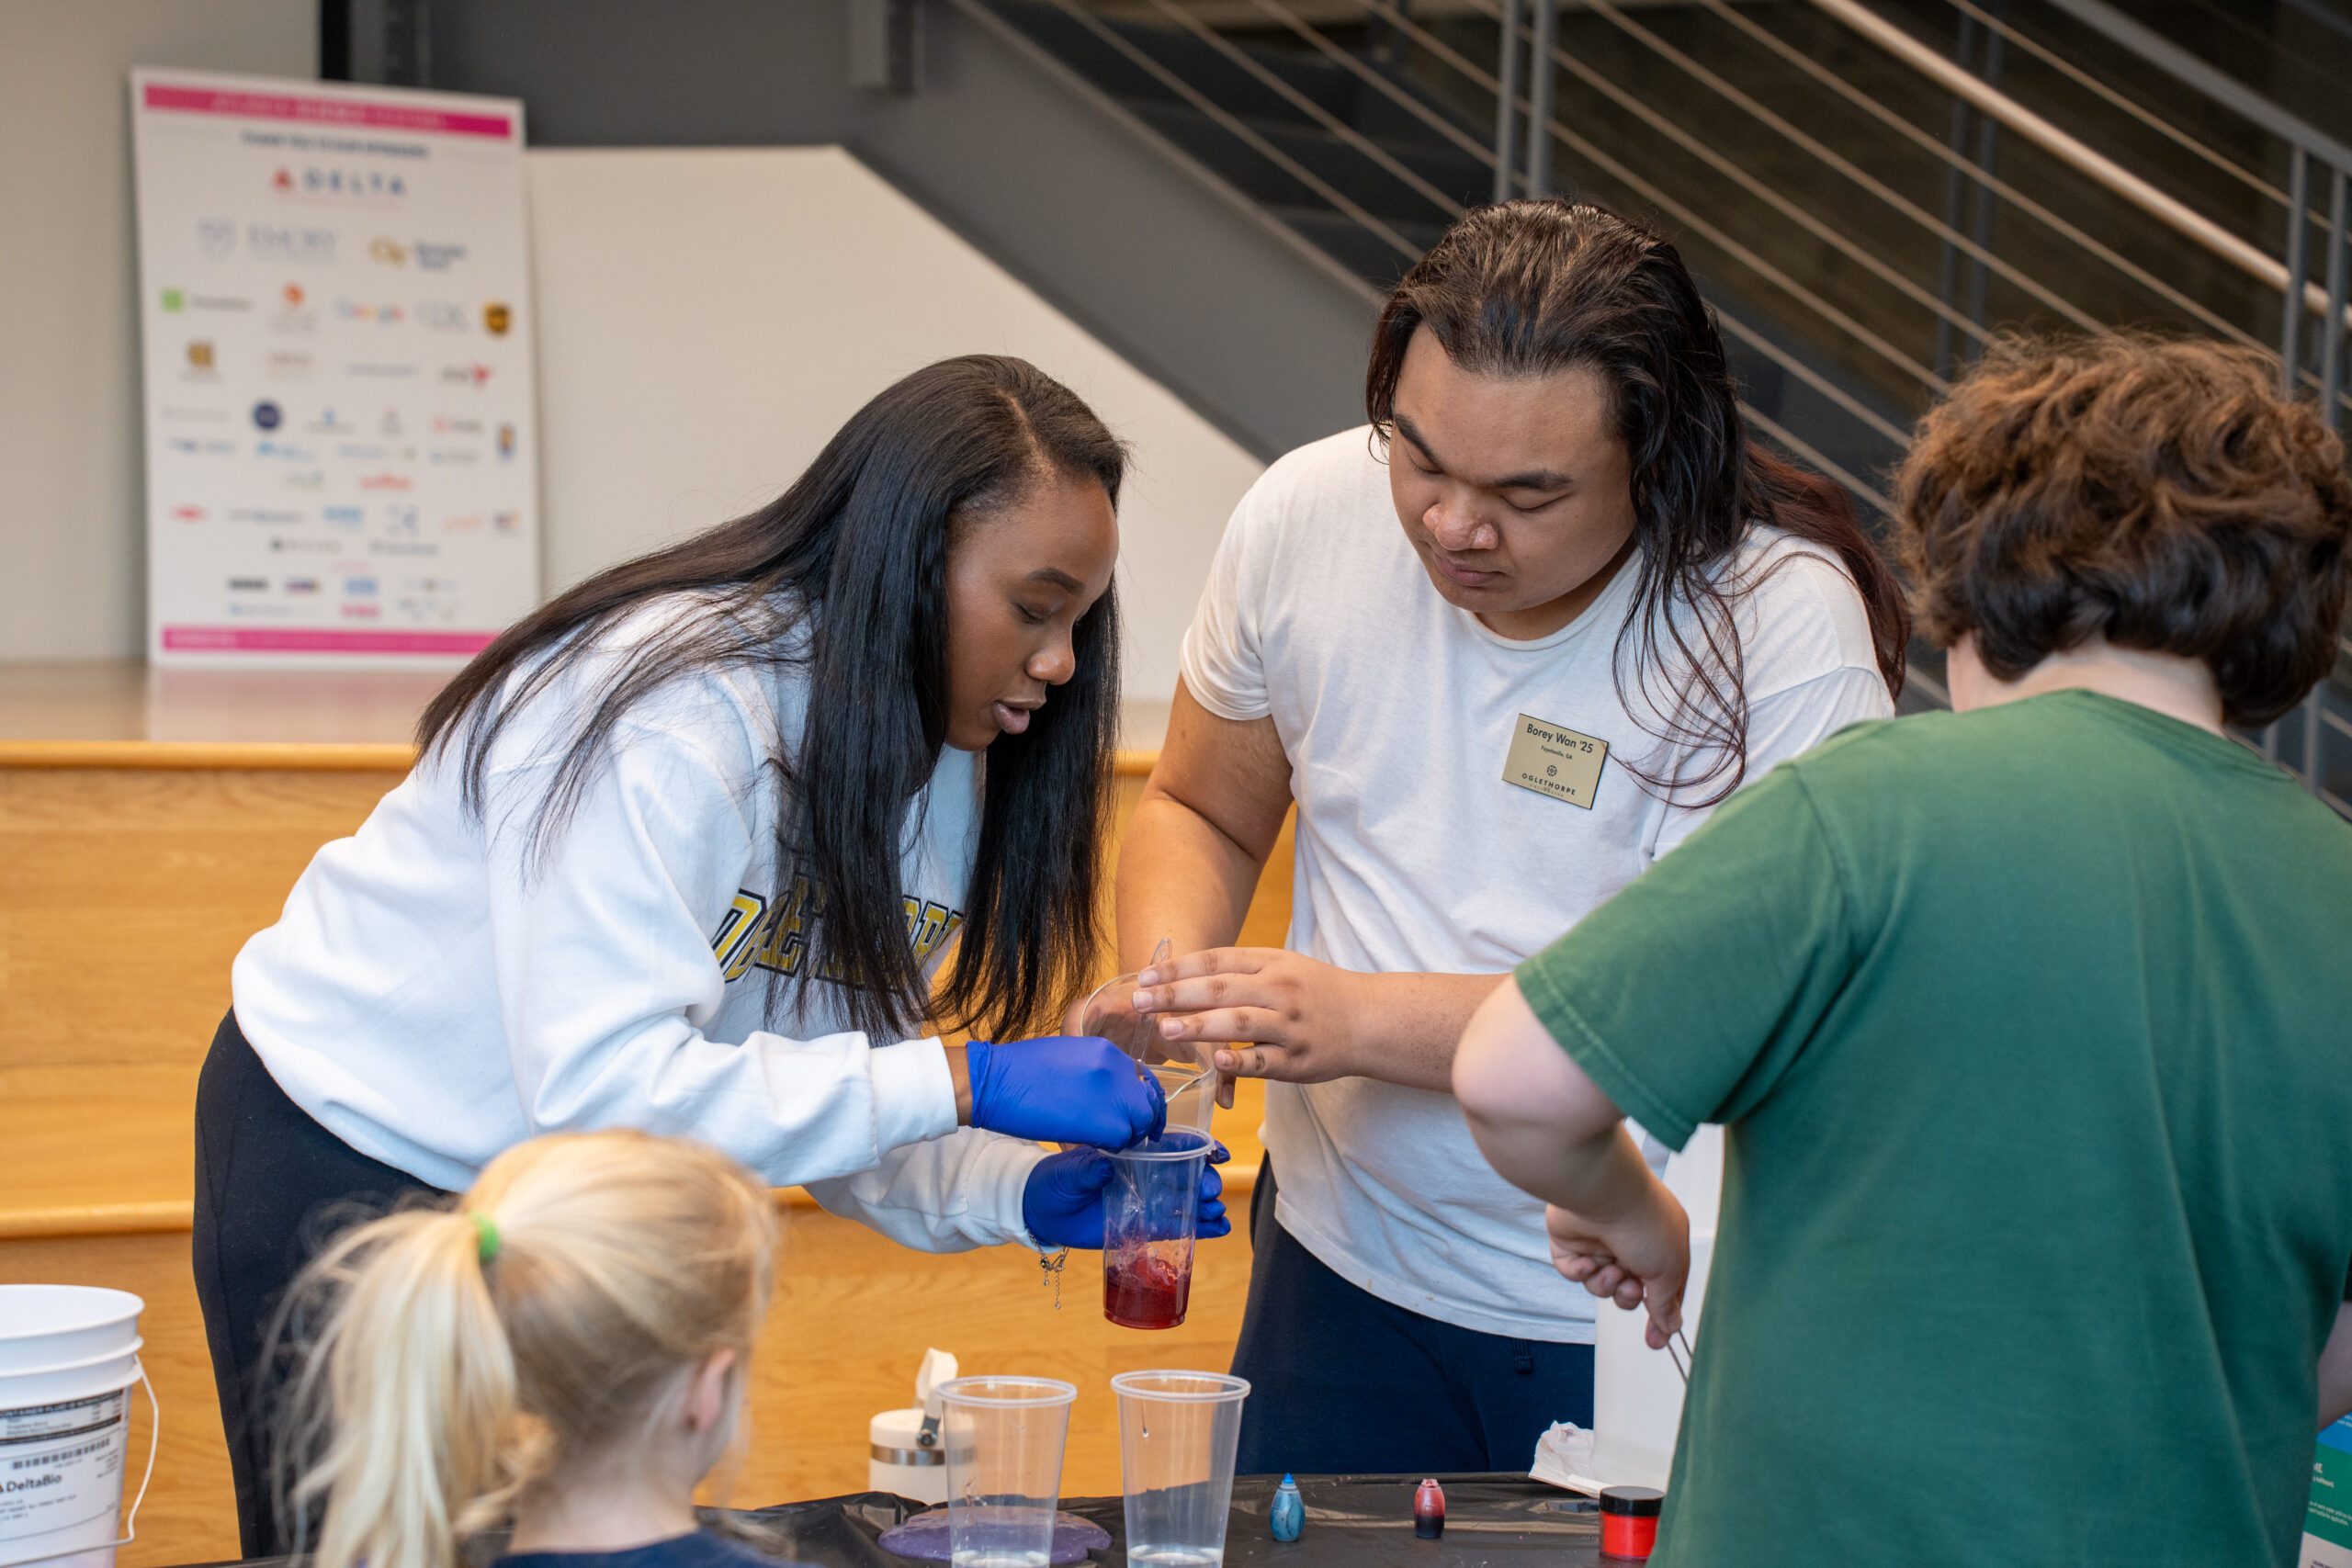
<point>161,1215</point>
<point>287,756</point>
<point>164,1216</point>
<point>212,756</point>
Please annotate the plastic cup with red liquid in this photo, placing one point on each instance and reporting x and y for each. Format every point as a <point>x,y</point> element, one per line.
<point>1150,1213</point>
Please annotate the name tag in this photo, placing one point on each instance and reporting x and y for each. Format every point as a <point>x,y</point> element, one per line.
<point>1553,759</point>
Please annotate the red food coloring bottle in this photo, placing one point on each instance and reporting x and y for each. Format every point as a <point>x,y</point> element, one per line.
<point>1429,1510</point>
<point>1629,1521</point>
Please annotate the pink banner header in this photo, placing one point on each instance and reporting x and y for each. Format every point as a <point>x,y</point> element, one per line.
<point>290,639</point>
<point>324,112</point>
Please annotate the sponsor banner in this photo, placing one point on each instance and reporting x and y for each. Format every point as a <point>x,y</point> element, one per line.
<point>288,639</point>
<point>338,354</point>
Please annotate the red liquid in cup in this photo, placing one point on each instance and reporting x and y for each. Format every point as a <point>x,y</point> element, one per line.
<point>1146,1290</point>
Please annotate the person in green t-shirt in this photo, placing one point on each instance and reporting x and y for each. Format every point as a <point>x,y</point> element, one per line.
<point>2028,1023</point>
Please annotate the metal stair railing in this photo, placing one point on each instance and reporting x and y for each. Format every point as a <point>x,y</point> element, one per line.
<point>1234,125</point>
<point>2302,296</point>
<point>1330,122</point>
<point>1384,85</point>
<point>2307,144</point>
<point>1756,340</point>
<point>1971,170</point>
<point>2308,290</point>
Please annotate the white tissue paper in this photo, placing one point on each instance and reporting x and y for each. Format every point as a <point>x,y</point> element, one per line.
<point>1563,1459</point>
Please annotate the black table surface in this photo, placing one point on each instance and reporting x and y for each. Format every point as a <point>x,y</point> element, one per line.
<point>1350,1519</point>
<point>1364,1521</point>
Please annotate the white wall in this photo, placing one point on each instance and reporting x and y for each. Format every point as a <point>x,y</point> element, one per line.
<point>708,318</point>
<point>71,530</point>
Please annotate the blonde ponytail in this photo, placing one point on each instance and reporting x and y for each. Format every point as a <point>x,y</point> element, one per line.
<point>462,1355</point>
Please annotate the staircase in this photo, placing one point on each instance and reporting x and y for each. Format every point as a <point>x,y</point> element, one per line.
<point>1867,188</point>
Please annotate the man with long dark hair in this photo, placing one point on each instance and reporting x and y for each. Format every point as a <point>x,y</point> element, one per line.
<point>1502,650</point>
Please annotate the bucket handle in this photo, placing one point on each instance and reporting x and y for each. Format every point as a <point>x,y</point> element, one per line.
<point>130,1520</point>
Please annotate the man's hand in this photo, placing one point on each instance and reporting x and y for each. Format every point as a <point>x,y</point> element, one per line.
<point>1273,1014</point>
<point>1642,1259</point>
<point>1290,1018</point>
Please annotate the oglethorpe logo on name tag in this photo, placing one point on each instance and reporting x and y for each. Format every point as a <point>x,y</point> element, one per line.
<point>1552,759</point>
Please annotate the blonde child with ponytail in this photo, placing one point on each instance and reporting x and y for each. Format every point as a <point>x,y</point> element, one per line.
<point>566,1349</point>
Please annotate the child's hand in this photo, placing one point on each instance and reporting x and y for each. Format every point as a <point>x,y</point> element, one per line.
<point>1641,1260</point>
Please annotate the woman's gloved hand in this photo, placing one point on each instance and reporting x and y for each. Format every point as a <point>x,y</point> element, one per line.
<point>1066,1088</point>
<point>1062,1205</point>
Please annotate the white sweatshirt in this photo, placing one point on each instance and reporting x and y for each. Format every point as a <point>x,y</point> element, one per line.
<point>434,994</point>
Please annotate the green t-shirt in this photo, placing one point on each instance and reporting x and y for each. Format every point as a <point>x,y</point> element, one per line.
<point>2028,1030</point>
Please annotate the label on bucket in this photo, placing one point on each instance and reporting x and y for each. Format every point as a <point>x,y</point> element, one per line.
<point>60,1465</point>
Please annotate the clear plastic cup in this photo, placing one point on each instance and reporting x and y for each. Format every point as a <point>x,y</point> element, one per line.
<point>1182,1069</point>
<point>1110,1012</point>
<point>1004,1468</point>
<point>1191,1093</point>
<point>1177,1434</point>
<point>1150,1212</point>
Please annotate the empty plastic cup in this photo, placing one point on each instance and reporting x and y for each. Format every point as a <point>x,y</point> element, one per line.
<point>1150,1211</point>
<point>1191,1093</point>
<point>1110,1013</point>
<point>1176,1433</point>
<point>1004,1468</point>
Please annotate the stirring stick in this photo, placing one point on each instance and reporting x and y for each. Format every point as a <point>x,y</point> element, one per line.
<point>1682,1357</point>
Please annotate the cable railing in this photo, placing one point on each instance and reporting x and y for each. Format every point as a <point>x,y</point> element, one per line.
<point>2310,291</point>
<point>1544,128</point>
<point>1855,249</point>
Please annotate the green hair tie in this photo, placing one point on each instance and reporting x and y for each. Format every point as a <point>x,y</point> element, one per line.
<point>486,1234</point>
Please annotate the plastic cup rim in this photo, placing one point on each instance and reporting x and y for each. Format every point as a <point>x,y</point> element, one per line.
<point>1048,1391</point>
<point>1228,1386</point>
<point>1165,1154</point>
<point>90,1295</point>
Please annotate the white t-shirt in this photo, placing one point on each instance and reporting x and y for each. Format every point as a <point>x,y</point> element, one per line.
<point>1396,710</point>
<point>433,996</point>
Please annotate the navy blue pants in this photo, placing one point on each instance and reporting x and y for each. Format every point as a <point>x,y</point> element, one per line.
<point>1342,1382</point>
<point>272,1188</point>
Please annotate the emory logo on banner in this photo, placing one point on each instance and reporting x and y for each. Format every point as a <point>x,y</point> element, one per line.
<point>283,227</point>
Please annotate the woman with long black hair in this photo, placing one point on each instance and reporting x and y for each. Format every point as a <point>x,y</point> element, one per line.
<point>1503,650</point>
<point>681,851</point>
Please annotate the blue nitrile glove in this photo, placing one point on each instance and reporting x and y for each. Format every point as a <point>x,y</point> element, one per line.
<point>1062,1205</point>
<point>1066,1088</point>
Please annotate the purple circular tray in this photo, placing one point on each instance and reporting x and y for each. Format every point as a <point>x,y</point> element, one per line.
<point>924,1537</point>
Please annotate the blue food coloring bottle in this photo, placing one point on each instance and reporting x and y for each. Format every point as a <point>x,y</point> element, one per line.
<point>1289,1512</point>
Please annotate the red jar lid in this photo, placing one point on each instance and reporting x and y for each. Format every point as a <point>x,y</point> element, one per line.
<point>1641,1502</point>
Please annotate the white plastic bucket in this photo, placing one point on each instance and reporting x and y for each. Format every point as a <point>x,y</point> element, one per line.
<point>69,1355</point>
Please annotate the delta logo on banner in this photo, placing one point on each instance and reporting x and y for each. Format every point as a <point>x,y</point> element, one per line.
<point>334,294</point>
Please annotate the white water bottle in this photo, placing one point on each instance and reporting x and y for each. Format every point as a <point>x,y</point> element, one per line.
<point>907,1456</point>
